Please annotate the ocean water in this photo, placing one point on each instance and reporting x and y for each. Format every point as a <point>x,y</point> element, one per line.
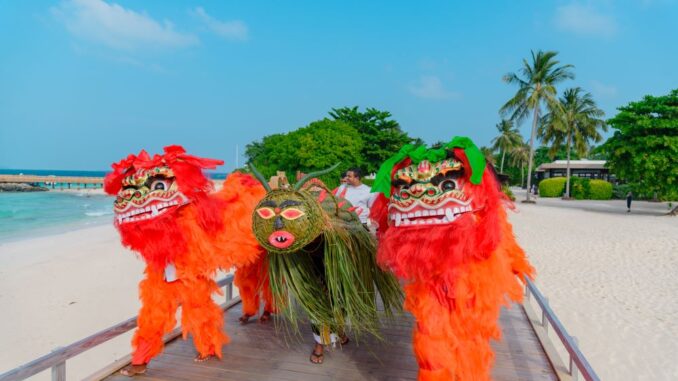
<point>30,214</point>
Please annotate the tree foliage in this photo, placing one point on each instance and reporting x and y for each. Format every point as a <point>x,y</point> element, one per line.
<point>382,137</point>
<point>317,146</point>
<point>644,147</point>
<point>536,82</point>
<point>508,137</point>
<point>573,122</point>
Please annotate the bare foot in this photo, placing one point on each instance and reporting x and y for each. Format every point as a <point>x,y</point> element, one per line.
<point>201,358</point>
<point>266,316</point>
<point>244,319</point>
<point>131,370</point>
<point>317,356</point>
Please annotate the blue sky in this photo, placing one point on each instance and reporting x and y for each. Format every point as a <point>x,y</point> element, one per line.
<point>85,82</point>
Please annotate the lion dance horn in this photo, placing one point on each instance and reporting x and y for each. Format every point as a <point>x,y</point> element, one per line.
<point>311,175</point>
<point>259,177</point>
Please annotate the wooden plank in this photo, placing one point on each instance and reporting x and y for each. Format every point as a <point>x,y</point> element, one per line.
<point>260,352</point>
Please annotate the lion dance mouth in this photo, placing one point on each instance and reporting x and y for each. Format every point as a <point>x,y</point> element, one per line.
<point>147,194</point>
<point>428,194</point>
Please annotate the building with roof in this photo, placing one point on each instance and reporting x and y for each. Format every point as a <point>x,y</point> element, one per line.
<point>591,169</point>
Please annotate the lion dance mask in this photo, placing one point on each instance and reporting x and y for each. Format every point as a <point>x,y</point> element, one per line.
<point>322,261</point>
<point>165,211</point>
<point>444,231</point>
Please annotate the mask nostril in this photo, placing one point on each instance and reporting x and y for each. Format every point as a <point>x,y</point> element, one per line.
<point>278,223</point>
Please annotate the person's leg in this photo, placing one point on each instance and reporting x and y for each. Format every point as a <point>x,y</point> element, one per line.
<point>322,336</point>
<point>269,305</point>
<point>203,318</point>
<point>247,280</point>
<point>317,356</point>
<point>159,301</point>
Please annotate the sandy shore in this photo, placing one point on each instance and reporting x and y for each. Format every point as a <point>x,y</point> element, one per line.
<point>610,277</point>
<point>61,288</point>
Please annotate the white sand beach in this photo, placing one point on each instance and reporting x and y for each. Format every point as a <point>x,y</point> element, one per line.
<point>610,277</point>
<point>61,288</point>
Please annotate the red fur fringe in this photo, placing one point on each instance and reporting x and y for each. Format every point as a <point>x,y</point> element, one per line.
<point>213,231</point>
<point>459,275</point>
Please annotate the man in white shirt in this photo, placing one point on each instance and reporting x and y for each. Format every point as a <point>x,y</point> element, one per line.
<point>358,194</point>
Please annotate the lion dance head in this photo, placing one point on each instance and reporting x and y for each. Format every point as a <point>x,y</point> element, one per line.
<point>152,196</point>
<point>437,208</point>
<point>444,231</point>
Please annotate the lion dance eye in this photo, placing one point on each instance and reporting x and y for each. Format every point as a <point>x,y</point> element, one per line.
<point>292,213</point>
<point>448,185</point>
<point>159,185</point>
<point>404,194</point>
<point>265,213</point>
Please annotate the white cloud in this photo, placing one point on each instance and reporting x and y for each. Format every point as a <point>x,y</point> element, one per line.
<point>117,27</point>
<point>602,90</point>
<point>431,87</point>
<point>585,20</point>
<point>235,30</point>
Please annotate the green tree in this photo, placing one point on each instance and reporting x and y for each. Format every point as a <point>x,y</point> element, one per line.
<point>314,147</point>
<point>508,137</point>
<point>382,136</point>
<point>574,120</point>
<point>644,147</point>
<point>535,88</point>
<point>489,154</point>
<point>519,157</point>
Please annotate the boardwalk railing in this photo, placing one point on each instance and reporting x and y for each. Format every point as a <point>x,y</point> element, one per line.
<point>57,359</point>
<point>578,363</point>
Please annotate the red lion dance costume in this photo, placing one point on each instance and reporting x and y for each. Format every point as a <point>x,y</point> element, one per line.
<point>443,229</point>
<point>166,212</point>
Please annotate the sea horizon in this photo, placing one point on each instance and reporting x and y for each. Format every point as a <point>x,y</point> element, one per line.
<point>26,215</point>
<point>82,173</point>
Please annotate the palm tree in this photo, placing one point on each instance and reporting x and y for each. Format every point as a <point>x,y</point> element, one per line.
<point>537,86</point>
<point>573,120</point>
<point>519,157</point>
<point>508,138</point>
<point>488,153</point>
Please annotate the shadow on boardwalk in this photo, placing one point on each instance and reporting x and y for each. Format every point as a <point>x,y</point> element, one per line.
<point>256,352</point>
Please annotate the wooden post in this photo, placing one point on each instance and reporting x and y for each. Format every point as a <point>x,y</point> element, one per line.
<point>59,370</point>
<point>229,292</point>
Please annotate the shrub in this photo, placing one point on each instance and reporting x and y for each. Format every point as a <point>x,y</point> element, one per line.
<point>580,188</point>
<point>620,191</point>
<point>553,187</point>
<point>600,190</point>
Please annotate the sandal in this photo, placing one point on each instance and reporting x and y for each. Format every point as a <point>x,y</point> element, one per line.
<point>317,358</point>
<point>201,358</point>
<point>244,319</point>
<point>133,370</point>
<point>266,316</point>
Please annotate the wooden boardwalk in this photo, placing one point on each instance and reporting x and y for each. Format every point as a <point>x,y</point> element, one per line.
<point>256,352</point>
